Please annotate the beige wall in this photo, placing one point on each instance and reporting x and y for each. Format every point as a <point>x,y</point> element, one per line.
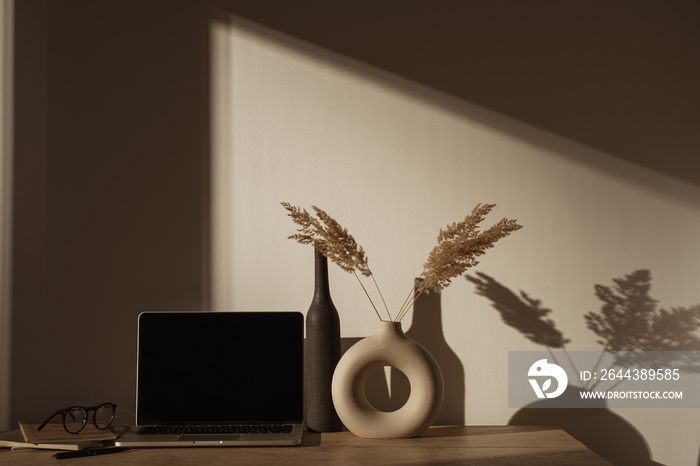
<point>394,162</point>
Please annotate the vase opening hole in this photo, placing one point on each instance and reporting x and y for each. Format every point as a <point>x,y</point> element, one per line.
<point>387,389</point>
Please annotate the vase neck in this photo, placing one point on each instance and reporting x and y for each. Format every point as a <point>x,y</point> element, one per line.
<point>389,326</point>
<point>321,286</point>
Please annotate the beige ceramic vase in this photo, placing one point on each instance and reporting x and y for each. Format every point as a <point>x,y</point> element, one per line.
<point>389,346</point>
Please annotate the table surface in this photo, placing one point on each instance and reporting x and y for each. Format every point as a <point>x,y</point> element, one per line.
<point>492,445</point>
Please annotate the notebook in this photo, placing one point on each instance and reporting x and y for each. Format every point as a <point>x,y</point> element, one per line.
<point>218,379</point>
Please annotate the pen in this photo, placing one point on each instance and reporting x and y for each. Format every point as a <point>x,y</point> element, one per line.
<point>93,452</point>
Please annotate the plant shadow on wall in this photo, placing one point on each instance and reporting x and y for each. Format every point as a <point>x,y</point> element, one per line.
<point>629,320</point>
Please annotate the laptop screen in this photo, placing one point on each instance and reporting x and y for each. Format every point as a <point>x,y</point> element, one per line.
<point>220,367</point>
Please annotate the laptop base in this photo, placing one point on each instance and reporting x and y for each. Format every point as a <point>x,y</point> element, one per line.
<point>132,439</point>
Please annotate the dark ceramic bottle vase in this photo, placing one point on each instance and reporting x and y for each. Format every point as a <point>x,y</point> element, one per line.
<point>322,353</point>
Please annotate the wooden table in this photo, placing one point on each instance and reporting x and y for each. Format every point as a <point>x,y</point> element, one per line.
<point>488,445</point>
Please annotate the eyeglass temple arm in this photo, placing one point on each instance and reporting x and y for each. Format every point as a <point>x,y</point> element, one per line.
<point>47,421</point>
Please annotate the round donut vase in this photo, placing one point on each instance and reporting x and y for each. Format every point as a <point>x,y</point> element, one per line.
<point>389,346</point>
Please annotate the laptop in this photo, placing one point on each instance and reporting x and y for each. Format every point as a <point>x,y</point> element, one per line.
<point>218,379</point>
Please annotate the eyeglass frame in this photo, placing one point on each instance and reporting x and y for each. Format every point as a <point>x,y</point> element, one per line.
<point>63,413</point>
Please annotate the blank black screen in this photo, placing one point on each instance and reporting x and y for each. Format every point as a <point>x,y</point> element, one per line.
<point>220,367</point>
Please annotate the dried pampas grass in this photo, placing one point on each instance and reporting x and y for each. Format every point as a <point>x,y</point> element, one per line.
<point>459,244</point>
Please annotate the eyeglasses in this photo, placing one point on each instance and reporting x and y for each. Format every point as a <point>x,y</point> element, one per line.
<point>75,418</point>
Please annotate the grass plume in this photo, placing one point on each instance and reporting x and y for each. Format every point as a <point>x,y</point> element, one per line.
<point>459,245</point>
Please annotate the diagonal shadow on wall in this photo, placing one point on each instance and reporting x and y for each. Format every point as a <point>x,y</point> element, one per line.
<point>627,90</point>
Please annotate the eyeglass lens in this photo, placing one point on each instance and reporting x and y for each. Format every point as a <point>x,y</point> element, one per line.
<point>74,420</point>
<point>104,415</point>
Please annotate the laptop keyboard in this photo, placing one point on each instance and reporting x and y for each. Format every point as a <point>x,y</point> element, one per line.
<point>217,429</point>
